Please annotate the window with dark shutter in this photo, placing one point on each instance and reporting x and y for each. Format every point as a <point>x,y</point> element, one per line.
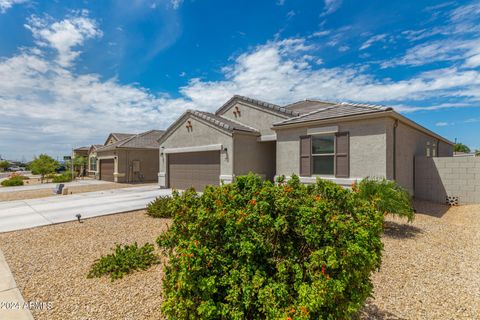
<point>305,156</point>
<point>342,161</point>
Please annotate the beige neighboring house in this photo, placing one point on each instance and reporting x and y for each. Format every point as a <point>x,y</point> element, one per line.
<point>126,157</point>
<point>92,160</point>
<point>339,141</point>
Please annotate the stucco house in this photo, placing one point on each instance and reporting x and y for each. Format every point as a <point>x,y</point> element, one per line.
<point>126,157</point>
<point>339,141</point>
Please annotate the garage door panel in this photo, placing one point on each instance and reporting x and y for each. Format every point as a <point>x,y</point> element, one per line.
<point>107,169</point>
<point>194,169</point>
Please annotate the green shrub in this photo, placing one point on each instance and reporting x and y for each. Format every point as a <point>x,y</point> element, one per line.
<point>64,177</point>
<point>124,260</point>
<point>255,250</point>
<point>387,196</point>
<point>12,182</point>
<point>160,207</point>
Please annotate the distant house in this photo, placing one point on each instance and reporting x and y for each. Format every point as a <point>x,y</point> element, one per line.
<point>338,141</point>
<point>81,152</point>
<point>126,157</point>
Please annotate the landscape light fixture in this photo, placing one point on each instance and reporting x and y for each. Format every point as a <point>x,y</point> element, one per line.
<point>78,215</point>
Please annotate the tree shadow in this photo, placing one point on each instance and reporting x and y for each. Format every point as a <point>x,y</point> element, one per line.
<point>372,312</point>
<point>400,230</point>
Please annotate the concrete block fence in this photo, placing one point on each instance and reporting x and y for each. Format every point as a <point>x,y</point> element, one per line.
<point>437,178</point>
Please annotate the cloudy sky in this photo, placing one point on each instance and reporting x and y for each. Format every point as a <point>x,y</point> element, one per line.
<point>73,71</point>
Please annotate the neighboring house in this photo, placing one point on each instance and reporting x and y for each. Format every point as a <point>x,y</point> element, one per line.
<point>81,152</point>
<point>342,142</point>
<point>92,160</point>
<point>128,157</point>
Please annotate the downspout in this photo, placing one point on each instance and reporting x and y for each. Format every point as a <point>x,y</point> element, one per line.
<point>395,125</point>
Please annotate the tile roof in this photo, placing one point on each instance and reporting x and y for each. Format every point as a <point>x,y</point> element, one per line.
<point>262,104</point>
<point>327,110</point>
<point>121,136</point>
<point>221,122</point>
<point>145,140</point>
<point>308,105</point>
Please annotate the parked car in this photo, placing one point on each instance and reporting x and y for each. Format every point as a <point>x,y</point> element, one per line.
<point>15,168</point>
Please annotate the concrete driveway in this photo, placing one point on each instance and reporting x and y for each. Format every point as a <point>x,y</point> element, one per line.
<point>23,214</point>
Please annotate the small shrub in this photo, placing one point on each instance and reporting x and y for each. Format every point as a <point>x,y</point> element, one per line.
<point>387,196</point>
<point>64,177</point>
<point>19,176</point>
<point>124,260</point>
<point>257,250</point>
<point>12,182</point>
<point>160,207</point>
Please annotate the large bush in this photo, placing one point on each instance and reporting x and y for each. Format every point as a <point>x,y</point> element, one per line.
<point>255,250</point>
<point>387,196</point>
<point>124,260</point>
<point>43,165</point>
<point>12,182</point>
<point>160,207</point>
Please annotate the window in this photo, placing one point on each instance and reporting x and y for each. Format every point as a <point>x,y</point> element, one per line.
<point>434,150</point>
<point>93,163</point>
<point>323,154</point>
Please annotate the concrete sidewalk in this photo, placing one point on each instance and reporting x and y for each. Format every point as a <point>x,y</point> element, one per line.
<point>52,185</point>
<point>13,306</point>
<point>23,214</point>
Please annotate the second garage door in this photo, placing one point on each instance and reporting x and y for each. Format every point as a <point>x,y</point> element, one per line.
<point>106,169</point>
<point>194,169</point>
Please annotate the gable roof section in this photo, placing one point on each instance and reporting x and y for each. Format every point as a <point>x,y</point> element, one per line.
<point>119,136</point>
<point>222,123</point>
<point>145,140</point>
<point>94,147</point>
<point>262,104</point>
<point>330,111</point>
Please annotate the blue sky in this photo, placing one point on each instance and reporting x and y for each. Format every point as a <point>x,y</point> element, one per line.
<point>73,71</point>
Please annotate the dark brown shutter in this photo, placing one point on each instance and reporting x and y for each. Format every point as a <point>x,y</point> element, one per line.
<point>305,156</point>
<point>342,159</point>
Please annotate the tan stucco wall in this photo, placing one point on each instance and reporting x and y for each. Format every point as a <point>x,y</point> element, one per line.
<point>202,134</point>
<point>149,164</point>
<point>252,116</point>
<point>411,143</point>
<point>367,148</point>
<point>253,156</point>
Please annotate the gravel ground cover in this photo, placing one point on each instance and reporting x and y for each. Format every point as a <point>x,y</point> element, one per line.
<point>430,268</point>
<point>50,264</point>
<point>42,193</point>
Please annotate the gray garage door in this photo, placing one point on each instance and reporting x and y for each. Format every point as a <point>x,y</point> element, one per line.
<point>194,169</point>
<point>106,169</point>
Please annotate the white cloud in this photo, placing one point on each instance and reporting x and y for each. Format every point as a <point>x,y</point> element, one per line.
<point>441,124</point>
<point>331,6</point>
<point>58,108</point>
<point>176,3</point>
<point>280,2</point>
<point>7,4</point>
<point>372,40</point>
<point>63,36</point>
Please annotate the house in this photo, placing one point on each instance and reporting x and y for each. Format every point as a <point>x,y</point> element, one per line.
<point>339,141</point>
<point>126,157</point>
<point>92,160</point>
<point>81,152</point>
